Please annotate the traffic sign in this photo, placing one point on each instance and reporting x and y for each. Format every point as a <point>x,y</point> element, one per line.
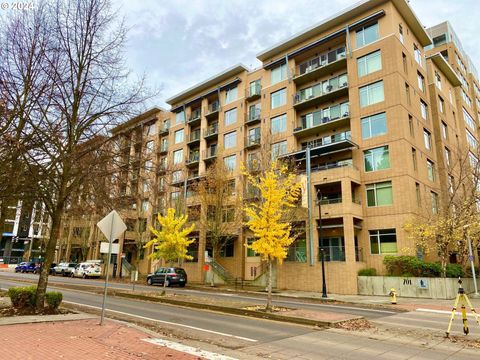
<point>112,226</point>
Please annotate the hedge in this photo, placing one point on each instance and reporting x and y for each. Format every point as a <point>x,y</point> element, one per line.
<point>26,296</point>
<point>367,272</point>
<point>408,266</point>
<point>53,299</point>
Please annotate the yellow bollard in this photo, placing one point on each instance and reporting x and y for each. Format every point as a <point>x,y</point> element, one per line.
<point>393,296</point>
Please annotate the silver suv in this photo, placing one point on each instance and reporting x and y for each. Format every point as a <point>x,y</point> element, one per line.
<point>64,269</point>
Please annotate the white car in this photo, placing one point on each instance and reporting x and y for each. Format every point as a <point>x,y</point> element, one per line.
<point>64,269</point>
<point>87,270</point>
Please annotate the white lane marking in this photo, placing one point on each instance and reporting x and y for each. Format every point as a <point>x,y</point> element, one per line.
<point>188,349</point>
<point>165,322</point>
<point>442,312</point>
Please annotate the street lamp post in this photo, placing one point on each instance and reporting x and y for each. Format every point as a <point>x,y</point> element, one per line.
<point>320,236</point>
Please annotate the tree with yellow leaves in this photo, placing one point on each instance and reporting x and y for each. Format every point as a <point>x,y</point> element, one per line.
<point>278,192</point>
<point>171,241</point>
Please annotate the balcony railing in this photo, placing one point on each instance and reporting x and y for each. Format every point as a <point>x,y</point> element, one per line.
<point>321,89</point>
<point>213,109</point>
<point>254,115</point>
<point>211,130</point>
<point>253,140</point>
<point>332,253</point>
<point>336,199</point>
<point>194,136</point>
<point>210,153</point>
<point>253,91</point>
<point>322,61</point>
<point>195,115</point>
<point>193,158</point>
<point>346,135</point>
<point>163,148</point>
<point>322,117</point>
<point>253,165</point>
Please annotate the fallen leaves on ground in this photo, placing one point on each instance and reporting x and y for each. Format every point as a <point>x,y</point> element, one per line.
<point>354,325</point>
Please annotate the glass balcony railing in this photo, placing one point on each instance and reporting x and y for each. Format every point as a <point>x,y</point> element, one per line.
<point>346,135</point>
<point>322,88</point>
<point>322,60</point>
<point>195,135</point>
<point>254,90</point>
<point>255,114</point>
<point>210,153</point>
<point>331,199</point>
<point>213,107</point>
<point>332,253</point>
<point>324,116</point>
<point>195,115</point>
<point>211,130</point>
<point>253,139</point>
<point>193,158</point>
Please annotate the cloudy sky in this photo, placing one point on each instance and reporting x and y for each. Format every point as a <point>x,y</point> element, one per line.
<point>178,43</point>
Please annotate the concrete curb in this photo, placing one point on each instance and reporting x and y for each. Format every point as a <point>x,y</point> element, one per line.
<point>29,319</point>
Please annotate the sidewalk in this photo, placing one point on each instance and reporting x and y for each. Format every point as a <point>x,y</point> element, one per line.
<point>82,339</point>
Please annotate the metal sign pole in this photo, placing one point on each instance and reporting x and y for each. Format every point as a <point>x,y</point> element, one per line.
<point>110,240</point>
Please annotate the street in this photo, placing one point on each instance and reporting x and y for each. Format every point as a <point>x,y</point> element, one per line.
<point>256,337</point>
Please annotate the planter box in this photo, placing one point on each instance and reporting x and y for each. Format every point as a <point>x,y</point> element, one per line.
<point>430,288</point>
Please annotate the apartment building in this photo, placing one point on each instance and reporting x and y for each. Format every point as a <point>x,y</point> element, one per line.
<point>368,118</point>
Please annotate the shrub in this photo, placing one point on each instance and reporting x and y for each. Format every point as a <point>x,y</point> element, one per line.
<point>367,272</point>
<point>410,266</point>
<point>23,297</point>
<point>454,271</point>
<point>53,299</point>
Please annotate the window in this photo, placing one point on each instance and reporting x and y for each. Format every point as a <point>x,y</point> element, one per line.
<point>231,186</point>
<point>367,34</point>
<point>177,176</point>
<point>230,140</point>
<point>279,149</point>
<point>424,109</point>
<point>179,136</point>
<point>227,249</point>
<point>279,124</point>
<point>434,197</point>
<point>374,125</point>
<point>228,214</point>
<point>421,82</point>
<point>418,54</point>
<point>444,130</point>
<point>180,117</point>
<point>149,147</point>
<point>369,63</point>
<point>447,157</point>
<point>175,195</point>
<point>414,159</point>
<point>441,105</point>
<point>427,139</point>
<point>417,192</point>
<point>383,241</point>
<point>410,125</point>
<point>230,162</point>
<point>145,205</point>
<point>407,93</point>
<point>451,183</point>
<point>438,80</point>
<point>371,94</point>
<point>230,117</point>
<point>150,129</point>
<point>178,157</point>
<point>376,159</point>
<point>148,165</point>
<point>471,140</point>
<point>380,194</point>
<point>468,119</point>
<point>400,31</point>
<point>405,65</point>
<point>278,98</point>
<point>146,185</point>
<point>231,95</point>
<point>278,74</point>
<point>250,252</point>
<point>431,170</point>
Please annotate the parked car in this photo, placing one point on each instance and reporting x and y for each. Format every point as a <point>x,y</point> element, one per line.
<point>25,267</point>
<point>173,276</point>
<point>64,269</point>
<point>87,270</point>
<point>38,268</point>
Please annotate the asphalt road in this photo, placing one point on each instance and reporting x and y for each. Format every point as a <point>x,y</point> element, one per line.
<point>358,311</point>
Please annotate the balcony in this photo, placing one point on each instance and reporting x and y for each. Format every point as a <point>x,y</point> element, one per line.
<point>254,116</point>
<point>321,66</point>
<point>194,176</point>
<point>210,154</point>
<point>329,144</point>
<point>253,140</point>
<point>323,120</point>
<point>195,117</point>
<point>253,166</point>
<point>193,159</point>
<point>163,130</point>
<point>161,168</point>
<point>253,92</point>
<point>194,138</point>
<point>211,132</point>
<point>163,148</point>
<point>213,110</point>
<point>337,87</point>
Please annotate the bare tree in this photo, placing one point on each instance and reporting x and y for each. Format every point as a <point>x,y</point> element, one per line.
<point>88,90</point>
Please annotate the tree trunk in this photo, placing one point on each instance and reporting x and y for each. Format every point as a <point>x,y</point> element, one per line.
<point>269,287</point>
<point>49,255</point>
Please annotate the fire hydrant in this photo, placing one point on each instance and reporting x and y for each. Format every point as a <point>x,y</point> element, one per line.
<point>393,296</point>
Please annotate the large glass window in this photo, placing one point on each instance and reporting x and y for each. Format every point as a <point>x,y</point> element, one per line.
<point>427,139</point>
<point>376,159</point>
<point>418,54</point>
<point>278,98</point>
<point>230,162</point>
<point>279,73</point>
<point>367,34</point>
<point>369,63</point>
<point>371,94</point>
<point>471,140</point>
<point>230,117</point>
<point>179,136</point>
<point>468,119</point>
<point>230,140</point>
<point>380,194</point>
<point>421,82</point>
<point>279,149</point>
<point>374,125</point>
<point>279,124</point>
<point>424,109</point>
<point>383,241</point>
<point>150,129</point>
<point>434,197</point>
<point>431,170</point>
<point>149,147</point>
<point>178,156</point>
<point>180,117</point>
<point>231,95</point>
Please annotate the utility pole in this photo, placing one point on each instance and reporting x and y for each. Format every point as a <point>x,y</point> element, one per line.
<point>320,236</point>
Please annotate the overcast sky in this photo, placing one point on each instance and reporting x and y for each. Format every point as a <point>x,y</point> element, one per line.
<point>178,43</point>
